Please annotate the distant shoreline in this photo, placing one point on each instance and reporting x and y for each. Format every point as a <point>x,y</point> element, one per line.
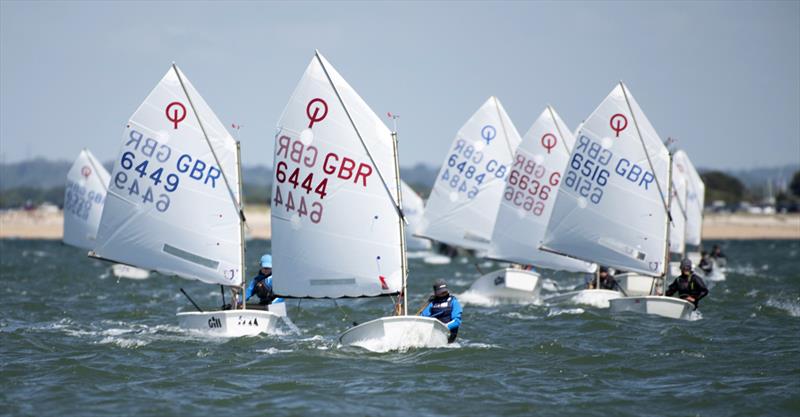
<point>42,224</point>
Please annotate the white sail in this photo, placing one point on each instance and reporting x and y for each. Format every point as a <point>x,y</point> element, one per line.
<point>173,201</point>
<point>677,209</point>
<point>612,203</point>
<point>695,200</point>
<point>529,196</point>
<point>463,204</point>
<point>85,193</point>
<point>335,224</point>
<point>413,207</point>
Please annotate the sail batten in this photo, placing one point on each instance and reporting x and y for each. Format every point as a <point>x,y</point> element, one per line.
<point>610,208</point>
<point>335,217</point>
<point>173,201</point>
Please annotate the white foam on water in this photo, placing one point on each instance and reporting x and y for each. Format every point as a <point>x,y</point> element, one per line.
<point>123,342</point>
<point>517,316</point>
<point>550,285</point>
<point>593,299</point>
<point>274,351</point>
<point>791,307</point>
<point>472,345</point>
<point>752,293</point>
<point>695,315</point>
<point>559,311</point>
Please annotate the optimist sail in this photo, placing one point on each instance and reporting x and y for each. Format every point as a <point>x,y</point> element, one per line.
<point>173,202</point>
<point>336,227</point>
<point>612,202</point>
<point>463,205</point>
<point>529,196</point>
<point>695,199</point>
<point>677,209</point>
<point>85,193</point>
<point>413,207</point>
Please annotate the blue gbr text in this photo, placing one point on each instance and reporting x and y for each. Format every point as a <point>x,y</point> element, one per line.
<point>150,171</point>
<point>79,202</point>
<point>587,169</point>
<point>467,169</point>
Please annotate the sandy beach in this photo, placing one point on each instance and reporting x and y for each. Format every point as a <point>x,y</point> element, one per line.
<point>41,224</point>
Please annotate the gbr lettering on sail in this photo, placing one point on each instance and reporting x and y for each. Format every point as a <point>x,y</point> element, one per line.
<point>303,171</point>
<point>593,162</point>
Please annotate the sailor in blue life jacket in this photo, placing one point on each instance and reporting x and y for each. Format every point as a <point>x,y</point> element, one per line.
<point>261,285</point>
<point>688,285</point>
<point>444,307</point>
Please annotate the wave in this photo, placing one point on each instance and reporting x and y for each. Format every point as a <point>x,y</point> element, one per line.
<point>791,307</point>
<point>555,311</point>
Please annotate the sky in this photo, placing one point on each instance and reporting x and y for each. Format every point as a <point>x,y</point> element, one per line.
<point>723,78</point>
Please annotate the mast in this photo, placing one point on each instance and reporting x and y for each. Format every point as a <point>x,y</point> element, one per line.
<point>403,260</point>
<point>241,222</point>
<point>669,220</point>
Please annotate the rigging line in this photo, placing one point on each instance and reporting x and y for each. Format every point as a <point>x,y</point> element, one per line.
<point>503,125</point>
<point>237,204</point>
<point>360,138</point>
<point>91,161</point>
<point>646,154</point>
<point>561,135</point>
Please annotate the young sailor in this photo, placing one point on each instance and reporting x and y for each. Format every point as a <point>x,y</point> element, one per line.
<point>261,285</point>
<point>607,281</point>
<point>718,257</point>
<point>444,307</point>
<point>688,285</point>
<point>706,264</point>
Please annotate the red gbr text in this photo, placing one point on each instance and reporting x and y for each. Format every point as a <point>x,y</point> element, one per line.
<point>341,167</point>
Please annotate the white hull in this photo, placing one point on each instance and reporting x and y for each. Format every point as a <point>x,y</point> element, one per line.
<point>130,272</point>
<point>669,307</point>
<point>509,284</point>
<point>229,323</point>
<point>596,298</point>
<point>694,257</point>
<point>437,260</point>
<point>634,284</point>
<point>397,333</point>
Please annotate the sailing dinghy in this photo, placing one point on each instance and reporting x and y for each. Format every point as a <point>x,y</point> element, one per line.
<point>612,207</point>
<point>84,196</point>
<point>465,199</point>
<point>174,202</point>
<point>526,204</point>
<point>413,207</point>
<point>337,218</point>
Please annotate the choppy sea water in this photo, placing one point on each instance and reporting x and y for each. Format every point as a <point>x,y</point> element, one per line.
<point>74,340</point>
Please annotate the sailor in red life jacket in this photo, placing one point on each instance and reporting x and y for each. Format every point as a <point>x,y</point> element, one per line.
<point>445,308</point>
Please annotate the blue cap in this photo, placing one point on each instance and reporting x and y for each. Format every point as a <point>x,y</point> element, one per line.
<point>266,261</point>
